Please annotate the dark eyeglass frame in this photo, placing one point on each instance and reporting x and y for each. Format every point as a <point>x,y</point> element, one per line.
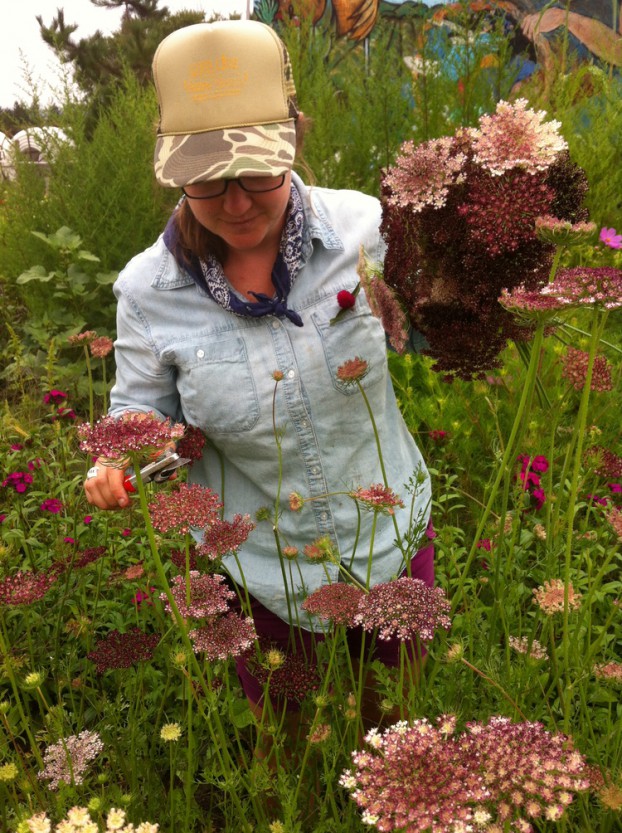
<point>238,181</point>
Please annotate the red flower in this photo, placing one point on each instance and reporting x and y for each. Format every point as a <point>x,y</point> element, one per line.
<point>346,299</point>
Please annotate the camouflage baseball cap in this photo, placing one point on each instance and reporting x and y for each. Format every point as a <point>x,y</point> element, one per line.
<point>227,103</point>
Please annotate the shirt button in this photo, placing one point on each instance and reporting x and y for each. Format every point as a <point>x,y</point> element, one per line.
<point>200,353</point>
<point>314,470</point>
<point>304,423</point>
<point>291,374</point>
<point>276,325</point>
<point>324,515</point>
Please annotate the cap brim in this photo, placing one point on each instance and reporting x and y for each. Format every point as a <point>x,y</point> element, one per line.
<point>260,150</point>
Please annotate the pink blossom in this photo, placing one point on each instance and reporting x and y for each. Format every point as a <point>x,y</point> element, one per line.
<point>54,397</point>
<point>199,596</point>
<point>336,602</point>
<point>52,504</point>
<point>346,299</point>
<point>114,439</point>
<point>222,537</point>
<point>187,506</point>
<point>406,608</point>
<point>611,238</point>
<point>378,497</point>
<point>223,637</point>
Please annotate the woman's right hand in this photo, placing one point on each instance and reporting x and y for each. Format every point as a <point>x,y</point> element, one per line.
<point>105,488</point>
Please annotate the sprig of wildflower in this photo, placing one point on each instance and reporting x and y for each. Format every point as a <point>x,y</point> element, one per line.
<point>187,506</point>
<point>101,346</point>
<point>209,595</point>
<point>352,371</point>
<point>24,588</point>
<point>378,497</point>
<point>492,775</point>
<point>122,650</point>
<point>336,602</point>
<point>113,439</point>
<point>517,136</point>
<point>222,537</point>
<point>610,671</point>
<point>406,608</point>
<point>170,732</point>
<point>550,597</point>
<point>224,636</point>
<point>68,760</point>
<point>422,174</point>
<point>575,368</point>
<point>529,647</point>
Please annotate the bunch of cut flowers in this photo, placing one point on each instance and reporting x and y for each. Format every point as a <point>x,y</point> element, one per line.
<point>459,221</point>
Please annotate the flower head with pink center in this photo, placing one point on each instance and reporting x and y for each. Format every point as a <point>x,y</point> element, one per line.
<point>609,671</point>
<point>422,174</point>
<point>378,498</point>
<point>222,537</point>
<point>224,636</point>
<point>498,774</point>
<point>201,596</point>
<point>188,506</point>
<point>115,439</point>
<point>338,603</point>
<point>406,608</point>
<point>550,597</point>
<point>515,136</point>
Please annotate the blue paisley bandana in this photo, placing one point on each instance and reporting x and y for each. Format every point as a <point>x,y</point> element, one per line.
<point>209,275</point>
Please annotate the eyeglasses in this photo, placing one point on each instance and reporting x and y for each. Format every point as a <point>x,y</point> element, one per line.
<point>217,187</point>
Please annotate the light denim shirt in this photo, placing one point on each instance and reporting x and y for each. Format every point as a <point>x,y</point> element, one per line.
<point>179,353</point>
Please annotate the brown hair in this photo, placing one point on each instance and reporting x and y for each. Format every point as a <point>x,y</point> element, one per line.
<point>193,239</point>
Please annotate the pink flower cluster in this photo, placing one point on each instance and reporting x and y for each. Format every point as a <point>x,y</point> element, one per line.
<point>222,536</point>
<point>420,777</point>
<point>185,507</point>
<point>379,498</point>
<point>530,471</point>
<point>575,370</point>
<point>199,595</point>
<point>122,650</point>
<point>24,588</point>
<point>225,636</point>
<point>68,759</point>
<point>459,219</point>
<point>114,439</point>
<point>406,608</point>
<point>18,480</point>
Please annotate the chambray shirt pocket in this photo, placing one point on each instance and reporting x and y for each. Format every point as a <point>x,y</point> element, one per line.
<point>355,335</point>
<point>215,382</point>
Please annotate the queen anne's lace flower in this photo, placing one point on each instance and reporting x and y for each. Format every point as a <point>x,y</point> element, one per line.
<point>515,136</point>
<point>423,173</point>
<point>113,439</point>
<point>421,777</point>
<point>406,608</point>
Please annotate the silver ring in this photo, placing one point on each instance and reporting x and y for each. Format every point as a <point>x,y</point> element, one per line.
<point>92,472</point>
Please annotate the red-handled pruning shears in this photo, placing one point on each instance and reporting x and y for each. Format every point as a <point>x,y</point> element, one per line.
<point>157,472</point>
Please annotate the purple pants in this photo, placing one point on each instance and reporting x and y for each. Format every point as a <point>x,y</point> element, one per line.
<point>273,629</point>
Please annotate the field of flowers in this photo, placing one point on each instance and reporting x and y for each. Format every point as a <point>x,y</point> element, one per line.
<point>120,705</point>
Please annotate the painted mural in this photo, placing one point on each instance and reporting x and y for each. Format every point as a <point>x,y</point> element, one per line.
<point>542,33</point>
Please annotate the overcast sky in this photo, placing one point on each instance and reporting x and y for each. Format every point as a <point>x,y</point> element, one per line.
<point>21,46</point>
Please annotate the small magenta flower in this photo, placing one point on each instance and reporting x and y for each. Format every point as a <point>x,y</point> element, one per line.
<point>18,480</point>
<point>54,397</point>
<point>65,413</point>
<point>87,519</point>
<point>52,504</point>
<point>438,435</point>
<point>611,238</point>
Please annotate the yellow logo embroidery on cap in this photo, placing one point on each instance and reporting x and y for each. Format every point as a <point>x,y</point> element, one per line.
<point>208,80</point>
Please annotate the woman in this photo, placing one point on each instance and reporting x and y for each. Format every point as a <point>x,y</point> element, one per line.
<point>227,323</point>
